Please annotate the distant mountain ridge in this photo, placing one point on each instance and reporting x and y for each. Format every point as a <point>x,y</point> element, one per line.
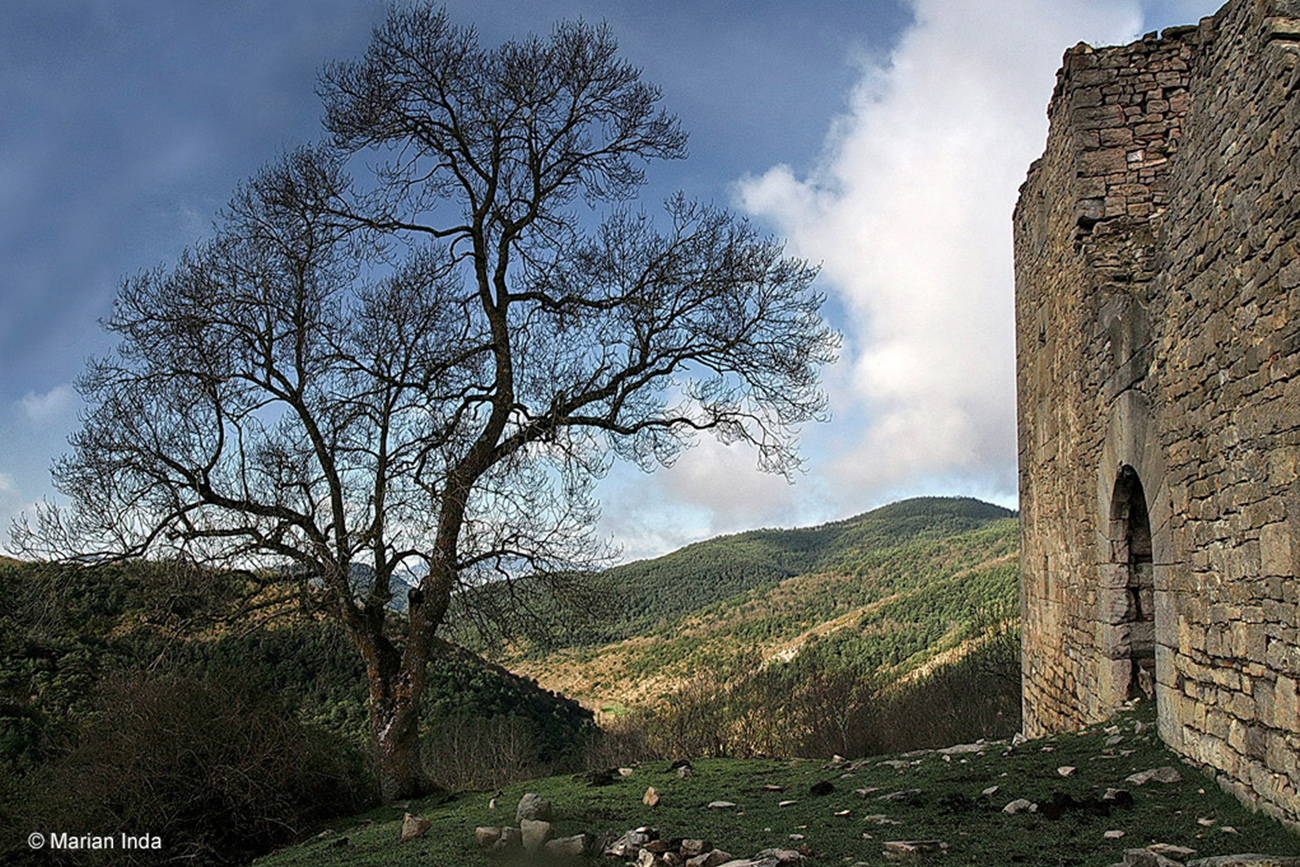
<point>902,588</point>
<point>637,596</point>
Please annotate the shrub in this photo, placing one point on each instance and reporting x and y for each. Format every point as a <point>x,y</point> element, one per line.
<point>219,769</point>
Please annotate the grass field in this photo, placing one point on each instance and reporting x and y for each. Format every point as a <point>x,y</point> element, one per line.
<point>948,806</point>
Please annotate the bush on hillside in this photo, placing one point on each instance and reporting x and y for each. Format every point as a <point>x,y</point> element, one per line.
<point>219,769</point>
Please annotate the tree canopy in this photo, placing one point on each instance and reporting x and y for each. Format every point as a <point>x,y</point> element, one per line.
<point>424,368</point>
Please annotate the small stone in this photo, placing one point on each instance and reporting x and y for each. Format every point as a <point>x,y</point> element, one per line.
<point>1164,774</point>
<point>413,827</point>
<point>1020,805</point>
<point>1177,853</point>
<point>684,772</point>
<point>486,836</point>
<point>991,790</point>
<point>780,856</point>
<point>1017,739</point>
<point>712,858</point>
<point>534,833</point>
<point>910,850</point>
<point>796,837</point>
<point>771,787</point>
<point>1114,740</point>
<point>787,803</point>
<point>1204,821</point>
<point>1066,770</point>
<point>843,812</point>
<point>651,797</point>
<point>493,803</point>
<point>880,819</point>
<point>625,772</point>
<point>1113,835</point>
<point>721,805</point>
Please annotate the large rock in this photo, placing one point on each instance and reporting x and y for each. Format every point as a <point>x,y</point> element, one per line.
<point>578,844</point>
<point>535,833</point>
<point>413,827</point>
<point>485,836</point>
<point>534,806</point>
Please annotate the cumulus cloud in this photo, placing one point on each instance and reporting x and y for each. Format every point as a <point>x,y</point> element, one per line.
<point>909,210</point>
<point>57,404</point>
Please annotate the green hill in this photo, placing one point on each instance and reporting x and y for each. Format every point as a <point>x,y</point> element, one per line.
<point>888,596</point>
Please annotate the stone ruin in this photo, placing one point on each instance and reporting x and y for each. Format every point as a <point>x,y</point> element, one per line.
<point>1157,251</point>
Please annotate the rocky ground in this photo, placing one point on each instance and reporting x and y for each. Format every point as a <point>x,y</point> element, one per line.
<point>1110,795</point>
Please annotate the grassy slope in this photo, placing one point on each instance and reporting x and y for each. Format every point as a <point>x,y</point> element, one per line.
<point>891,589</point>
<point>978,833</point>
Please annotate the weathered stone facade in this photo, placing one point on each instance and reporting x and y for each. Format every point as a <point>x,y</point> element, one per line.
<point>1158,338</point>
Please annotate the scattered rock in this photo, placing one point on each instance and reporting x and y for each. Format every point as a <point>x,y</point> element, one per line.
<point>1246,860</point>
<point>578,844</point>
<point>493,803</point>
<point>534,833</point>
<point>1148,858</point>
<point>843,813</point>
<point>880,819</point>
<point>485,836</point>
<point>1165,774</point>
<point>651,797</point>
<point>534,806</point>
<point>1020,805</point>
<point>781,856</point>
<point>712,858</point>
<point>625,772</point>
<point>963,749</point>
<point>1113,835</point>
<point>693,848</point>
<point>1017,739</point>
<point>684,773</point>
<point>771,787</point>
<point>1066,770</point>
<point>787,803</point>
<point>413,827</point>
<point>911,850</point>
<point>991,790</point>
<point>796,837</point>
<point>907,796</point>
<point>627,845</point>
<point>510,839</point>
<point>869,790</point>
<point>1114,740</point>
<point>721,805</point>
<point>1178,853</point>
<point>896,764</point>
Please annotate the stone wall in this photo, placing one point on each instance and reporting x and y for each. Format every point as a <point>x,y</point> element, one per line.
<point>1158,338</point>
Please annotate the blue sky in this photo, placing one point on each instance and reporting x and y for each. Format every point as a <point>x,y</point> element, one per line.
<point>884,138</point>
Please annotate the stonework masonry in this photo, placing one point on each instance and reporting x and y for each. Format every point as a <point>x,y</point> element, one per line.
<point>1157,251</point>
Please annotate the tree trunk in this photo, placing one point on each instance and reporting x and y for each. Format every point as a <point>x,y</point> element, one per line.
<point>395,733</point>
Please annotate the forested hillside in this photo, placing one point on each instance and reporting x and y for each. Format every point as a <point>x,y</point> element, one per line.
<point>873,603</point>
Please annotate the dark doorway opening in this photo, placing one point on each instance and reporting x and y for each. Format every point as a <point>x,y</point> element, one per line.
<point>1131,538</point>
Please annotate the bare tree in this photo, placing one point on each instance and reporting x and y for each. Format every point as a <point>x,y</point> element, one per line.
<point>424,373</point>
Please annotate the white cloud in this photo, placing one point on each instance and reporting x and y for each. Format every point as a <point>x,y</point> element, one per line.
<point>57,404</point>
<point>910,213</point>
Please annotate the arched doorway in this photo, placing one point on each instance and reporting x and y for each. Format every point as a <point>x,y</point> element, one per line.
<point>1131,591</point>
